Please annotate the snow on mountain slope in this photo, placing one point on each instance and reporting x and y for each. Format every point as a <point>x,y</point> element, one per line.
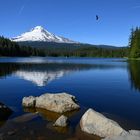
<point>40,34</point>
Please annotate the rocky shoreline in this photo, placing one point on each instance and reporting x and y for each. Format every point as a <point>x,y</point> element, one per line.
<point>91,123</point>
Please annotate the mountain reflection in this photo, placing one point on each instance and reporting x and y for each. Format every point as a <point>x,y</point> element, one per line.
<point>134,72</point>
<point>40,78</point>
<point>43,73</point>
<point>40,74</point>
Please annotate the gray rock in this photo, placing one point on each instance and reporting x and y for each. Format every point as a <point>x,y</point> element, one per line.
<point>126,137</point>
<point>95,123</point>
<point>62,121</point>
<point>134,132</point>
<point>60,103</point>
<point>5,112</point>
<point>29,101</point>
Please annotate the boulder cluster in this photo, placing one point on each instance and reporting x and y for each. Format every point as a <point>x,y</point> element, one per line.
<point>92,122</point>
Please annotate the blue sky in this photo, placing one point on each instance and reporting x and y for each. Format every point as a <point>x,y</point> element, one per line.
<point>74,19</point>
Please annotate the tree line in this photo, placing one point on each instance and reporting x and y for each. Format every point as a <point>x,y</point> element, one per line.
<point>9,48</point>
<point>87,52</point>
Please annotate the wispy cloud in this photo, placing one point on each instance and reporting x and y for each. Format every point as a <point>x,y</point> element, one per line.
<point>136,7</point>
<point>21,9</point>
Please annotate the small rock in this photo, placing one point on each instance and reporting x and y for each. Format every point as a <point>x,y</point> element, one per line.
<point>29,101</point>
<point>62,121</point>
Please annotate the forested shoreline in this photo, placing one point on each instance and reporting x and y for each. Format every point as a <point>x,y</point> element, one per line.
<point>9,48</point>
<point>86,52</point>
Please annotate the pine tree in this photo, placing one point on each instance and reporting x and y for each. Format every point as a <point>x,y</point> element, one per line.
<point>135,43</point>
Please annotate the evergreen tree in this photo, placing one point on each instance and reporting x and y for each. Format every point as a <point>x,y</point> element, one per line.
<point>135,43</point>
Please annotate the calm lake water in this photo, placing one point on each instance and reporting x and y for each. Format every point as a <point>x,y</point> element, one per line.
<point>109,86</point>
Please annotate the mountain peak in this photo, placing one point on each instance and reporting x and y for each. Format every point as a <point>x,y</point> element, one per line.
<point>40,28</point>
<point>38,33</point>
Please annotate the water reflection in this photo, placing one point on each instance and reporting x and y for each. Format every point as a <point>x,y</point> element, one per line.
<point>49,115</point>
<point>7,69</point>
<point>134,72</point>
<point>99,84</point>
<point>42,74</point>
<point>40,78</point>
<point>39,74</point>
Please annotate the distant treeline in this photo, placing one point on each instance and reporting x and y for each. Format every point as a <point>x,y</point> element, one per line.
<point>135,43</point>
<point>79,50</point>
<point>9,48</point>
<point>86,52</point>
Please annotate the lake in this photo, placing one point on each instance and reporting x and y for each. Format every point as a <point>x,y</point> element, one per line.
<point>109,86</point>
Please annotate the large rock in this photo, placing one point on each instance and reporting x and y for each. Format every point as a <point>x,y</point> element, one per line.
<point>95,123</point>
<point>5,112</point>
<point>60,103</point>
<point>131,135</point>
<point>135,132</point>
<point>62,121</point>
<point>127,137</point>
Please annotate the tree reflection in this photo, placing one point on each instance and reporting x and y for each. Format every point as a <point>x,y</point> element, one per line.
<point>7,69</point>
<point>39,73</point>
<point>134,71</point>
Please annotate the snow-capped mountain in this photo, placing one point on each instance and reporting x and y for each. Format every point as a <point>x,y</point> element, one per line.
<point>40,34</point>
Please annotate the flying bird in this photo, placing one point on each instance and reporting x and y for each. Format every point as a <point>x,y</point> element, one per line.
<point>97,17</point>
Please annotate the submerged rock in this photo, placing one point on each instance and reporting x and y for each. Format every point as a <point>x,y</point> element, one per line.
<point>95,123</point>
<point>5,112</point>
<point>62,121</point>
<point>26,117</point>
<point>13,132</point>
<point>60,103</point>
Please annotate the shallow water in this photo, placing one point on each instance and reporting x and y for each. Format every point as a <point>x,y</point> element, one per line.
<point>110,86</point>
